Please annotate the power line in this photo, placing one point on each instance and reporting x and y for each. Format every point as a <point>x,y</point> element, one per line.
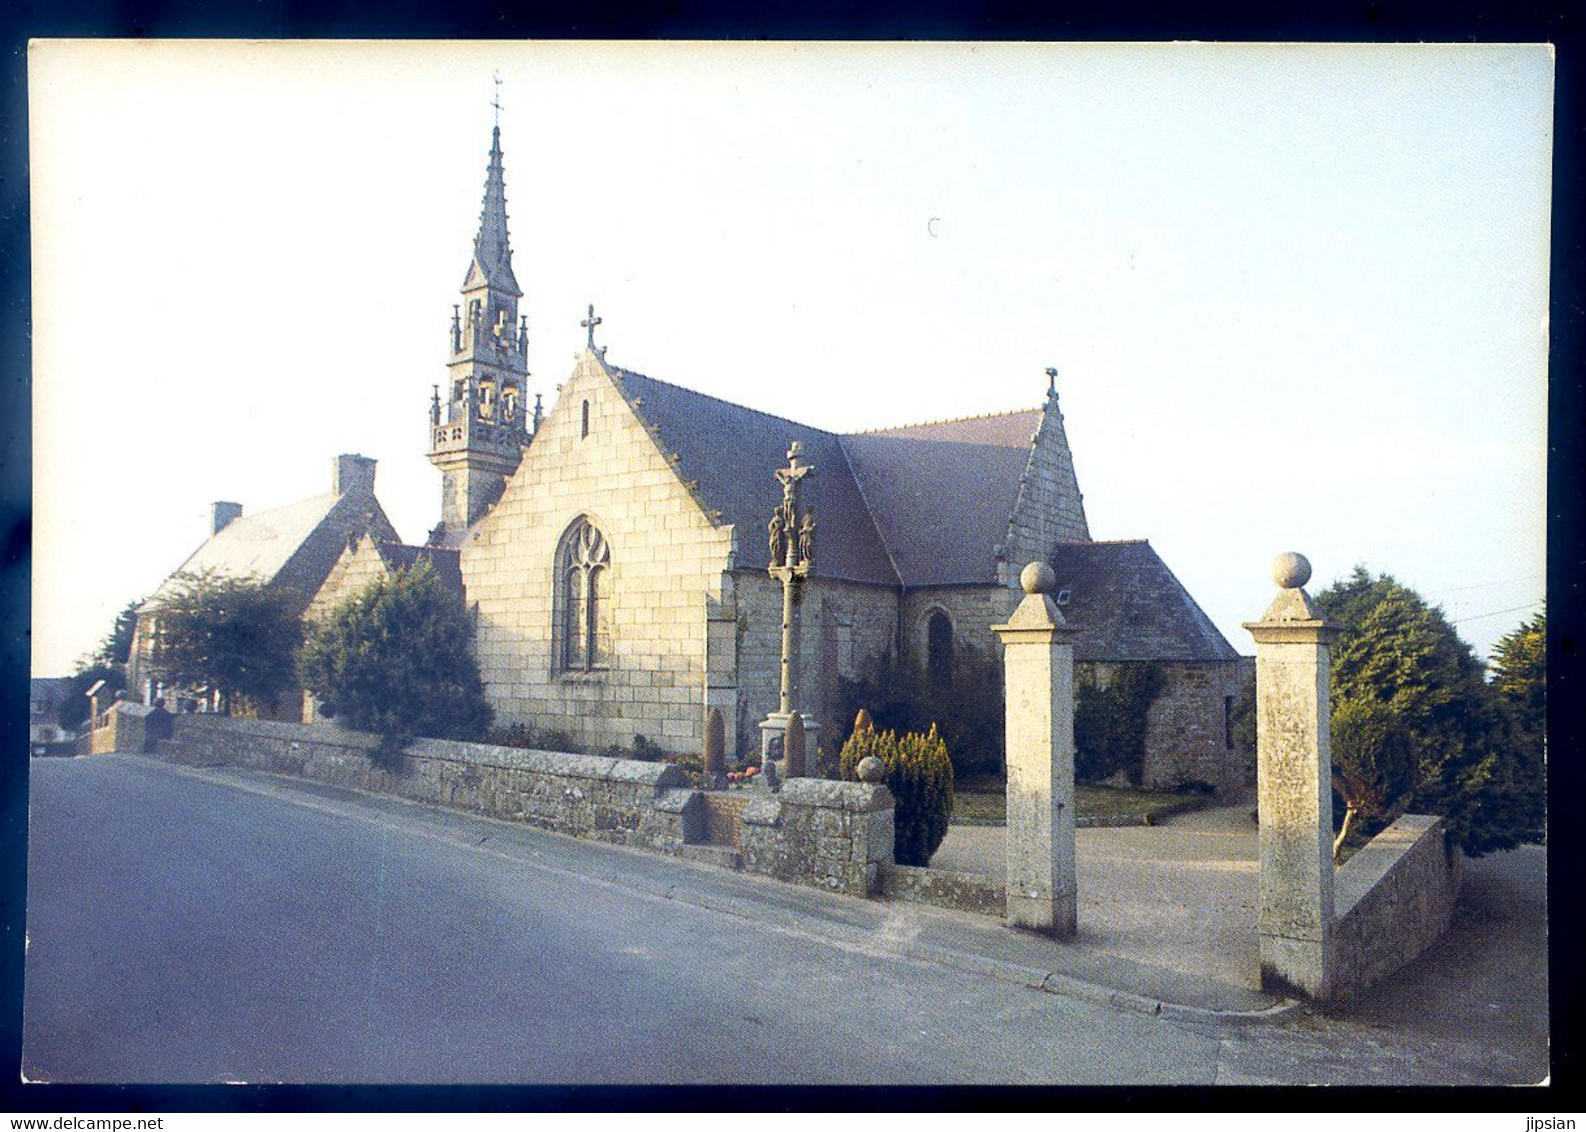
<point>1494,613</point>
<point>1499,582</point>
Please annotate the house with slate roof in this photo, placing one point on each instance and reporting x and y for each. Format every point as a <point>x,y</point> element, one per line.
<point>613,551</point>
<point>291,549</point>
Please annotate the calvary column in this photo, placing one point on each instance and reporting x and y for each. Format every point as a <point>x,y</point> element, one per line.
<point>792,550</point>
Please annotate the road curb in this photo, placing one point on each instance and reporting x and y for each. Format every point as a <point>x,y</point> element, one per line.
<point>1102,821</point>
<point>1042,978</point>
<point>1057,983</point>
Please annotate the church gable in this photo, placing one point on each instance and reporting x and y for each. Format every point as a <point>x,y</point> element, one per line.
<point>590,575</point>
<point>1049,509</point>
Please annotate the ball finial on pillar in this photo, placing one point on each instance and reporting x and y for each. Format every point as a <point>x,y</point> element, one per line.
<point>1291,570</point>
<point>1038,578</point>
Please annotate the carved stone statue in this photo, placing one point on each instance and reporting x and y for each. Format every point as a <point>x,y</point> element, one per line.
<point>807,539</point>
<point>778,540</point>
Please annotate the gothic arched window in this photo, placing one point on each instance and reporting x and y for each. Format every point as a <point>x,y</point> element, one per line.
<point>583,622</point>
<point>939,647</point>
<point>583,430</point>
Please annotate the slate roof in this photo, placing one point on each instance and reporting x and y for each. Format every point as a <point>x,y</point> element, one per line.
<point>1125,604</point>
<point>731,452</point>
<point>293,546</point>
<point>400,556</point>
<point>942,493</point>
<point>919,505</point>
<point>50,692</point>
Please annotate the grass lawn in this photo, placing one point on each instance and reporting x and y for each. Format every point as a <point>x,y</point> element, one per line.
<point>1092,802</point>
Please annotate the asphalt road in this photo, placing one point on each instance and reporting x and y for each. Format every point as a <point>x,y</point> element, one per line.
<point>213,926</point>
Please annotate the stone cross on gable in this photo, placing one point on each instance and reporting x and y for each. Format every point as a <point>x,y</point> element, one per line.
<point>1051,381</point>
<point>590,323</point>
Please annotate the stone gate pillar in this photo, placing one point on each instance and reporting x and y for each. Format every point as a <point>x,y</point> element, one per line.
<point>1294,772</point>
<point>1039,674</point>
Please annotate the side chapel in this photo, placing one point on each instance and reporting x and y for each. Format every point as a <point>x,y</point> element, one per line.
<point>613,550</point>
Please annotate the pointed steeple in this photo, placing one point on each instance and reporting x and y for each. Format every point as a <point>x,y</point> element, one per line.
<point>492,262</point>
<point>479,429</point>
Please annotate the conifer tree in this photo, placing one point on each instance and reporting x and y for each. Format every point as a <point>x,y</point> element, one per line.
<point>1400,653</point>
<point>397,660</point>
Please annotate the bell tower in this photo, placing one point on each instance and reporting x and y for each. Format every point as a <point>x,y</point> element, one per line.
<point>478,424</point>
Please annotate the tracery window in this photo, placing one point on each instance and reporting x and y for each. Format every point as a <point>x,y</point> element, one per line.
<point>583,568</point>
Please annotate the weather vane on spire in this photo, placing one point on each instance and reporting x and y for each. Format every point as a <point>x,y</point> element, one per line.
<point>495,77</point>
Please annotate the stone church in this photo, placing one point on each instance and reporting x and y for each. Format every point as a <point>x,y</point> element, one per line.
<point>613,550</point>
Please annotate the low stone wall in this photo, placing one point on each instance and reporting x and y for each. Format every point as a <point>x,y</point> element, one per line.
<point>616,800</point>
<point>129,728</point>
<point>724,816</point>
<point>966,892</point>
<point>834,835</point>
<point>1394,899</point>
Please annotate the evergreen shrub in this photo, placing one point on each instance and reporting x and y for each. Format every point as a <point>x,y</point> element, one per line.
<point>966,706</point>
<point>920,776</point>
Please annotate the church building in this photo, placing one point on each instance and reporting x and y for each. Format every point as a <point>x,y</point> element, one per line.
<point>613,551</point>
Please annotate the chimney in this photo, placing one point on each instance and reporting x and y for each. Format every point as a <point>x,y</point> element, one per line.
<point>353,473</point>
<point>221,513</point>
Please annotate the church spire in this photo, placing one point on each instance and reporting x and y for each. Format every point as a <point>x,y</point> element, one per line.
<point>492,262</point>
<point>479,427</point>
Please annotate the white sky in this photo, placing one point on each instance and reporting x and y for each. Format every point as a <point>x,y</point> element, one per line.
<point>1297,295</point>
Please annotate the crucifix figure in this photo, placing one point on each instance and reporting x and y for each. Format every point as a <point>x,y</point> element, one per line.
<point>791,543</point>
<point>590,323</point>
<point>793,535</point>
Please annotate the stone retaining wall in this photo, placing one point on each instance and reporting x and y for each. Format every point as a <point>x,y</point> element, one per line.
<point>966,892</point>
<point>617,800</point>
<point>1393,899</point>
<point>834,835</point>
